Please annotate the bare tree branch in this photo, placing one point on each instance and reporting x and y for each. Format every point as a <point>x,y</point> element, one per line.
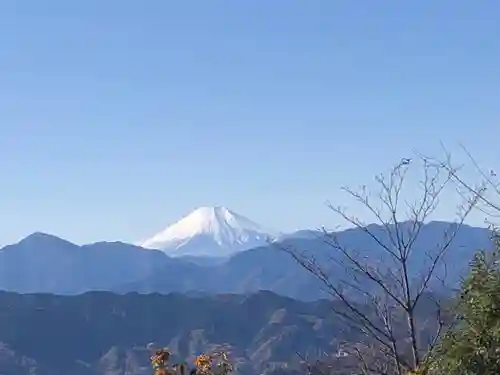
<point>488,182</point>
<point>388,285</point>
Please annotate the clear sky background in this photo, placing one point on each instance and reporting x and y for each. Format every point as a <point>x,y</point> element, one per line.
<point>117,117</point>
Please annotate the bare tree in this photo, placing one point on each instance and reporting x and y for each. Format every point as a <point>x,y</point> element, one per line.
<point>486,188</point>
<point>391,286</point>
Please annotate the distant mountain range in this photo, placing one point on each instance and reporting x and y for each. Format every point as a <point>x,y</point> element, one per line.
<point>102,333</point>
<point>48,264</point>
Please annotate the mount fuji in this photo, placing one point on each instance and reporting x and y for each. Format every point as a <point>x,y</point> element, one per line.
<point>209,232</point>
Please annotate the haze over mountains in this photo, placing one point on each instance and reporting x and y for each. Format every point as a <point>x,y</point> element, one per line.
<point>46,263</point>
<point>186,300</point>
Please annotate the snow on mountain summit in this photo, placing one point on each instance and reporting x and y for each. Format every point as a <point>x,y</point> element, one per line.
<point>209,231</point>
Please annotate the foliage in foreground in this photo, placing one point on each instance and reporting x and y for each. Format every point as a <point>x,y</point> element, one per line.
<point>472,346</point>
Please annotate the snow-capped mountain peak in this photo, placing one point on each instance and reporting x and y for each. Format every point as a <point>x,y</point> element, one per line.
<point>209,231</point>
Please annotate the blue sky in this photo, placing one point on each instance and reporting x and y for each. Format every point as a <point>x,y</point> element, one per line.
<point>117,117</point>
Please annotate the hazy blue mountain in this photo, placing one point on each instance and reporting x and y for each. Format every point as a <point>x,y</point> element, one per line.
<point>45,263</point>
<point>271,268</point>
<point>204,260</point>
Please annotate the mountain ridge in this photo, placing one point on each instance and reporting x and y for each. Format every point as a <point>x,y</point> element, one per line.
<point>101,332</point>
<point>58,266</point>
